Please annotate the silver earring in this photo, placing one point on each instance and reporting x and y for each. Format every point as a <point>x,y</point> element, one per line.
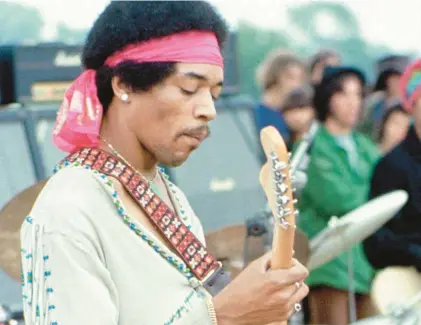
<point>124,97</point>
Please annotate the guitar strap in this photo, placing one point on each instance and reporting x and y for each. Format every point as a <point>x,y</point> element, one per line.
<point>201,263</point>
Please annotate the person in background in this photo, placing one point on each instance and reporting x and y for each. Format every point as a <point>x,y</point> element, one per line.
<point>339,170</point>
<point>278,75</point>
<point>298,113</point>
<point>319,61</point>
<point>396,247</point>
<point>385,92</point>
<point>393,127</point>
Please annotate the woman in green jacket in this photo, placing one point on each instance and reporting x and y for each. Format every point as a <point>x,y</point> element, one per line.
<point>340,167</point>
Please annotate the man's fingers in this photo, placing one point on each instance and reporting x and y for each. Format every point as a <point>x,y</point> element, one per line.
<point>289,291</point>
<point>287,277</point>
<point>300,294</point>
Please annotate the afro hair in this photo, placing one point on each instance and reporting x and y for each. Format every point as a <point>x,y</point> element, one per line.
<point>127,22</point>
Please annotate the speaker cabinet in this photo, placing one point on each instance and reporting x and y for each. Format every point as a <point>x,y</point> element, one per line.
<point>38,73</point>
<point>44,119</point>
<point>17,171</point>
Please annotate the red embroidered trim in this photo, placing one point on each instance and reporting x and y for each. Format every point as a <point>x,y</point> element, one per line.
<point>188,247</point>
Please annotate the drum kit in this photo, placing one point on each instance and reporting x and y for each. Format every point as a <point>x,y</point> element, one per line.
<point>237,245</point>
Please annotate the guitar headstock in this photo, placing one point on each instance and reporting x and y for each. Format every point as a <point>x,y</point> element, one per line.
<point>276,181</point>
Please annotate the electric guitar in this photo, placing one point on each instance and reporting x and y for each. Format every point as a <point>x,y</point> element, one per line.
<point>275,179</point>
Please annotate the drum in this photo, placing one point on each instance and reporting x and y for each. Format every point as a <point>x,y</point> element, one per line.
<point>11,218</point>
<point>227,245</point>
<point>410,319</point>
<point>395,285</point>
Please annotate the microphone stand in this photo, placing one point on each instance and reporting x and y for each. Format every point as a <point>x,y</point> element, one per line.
<point>352,306</point>
<point>303,147</point>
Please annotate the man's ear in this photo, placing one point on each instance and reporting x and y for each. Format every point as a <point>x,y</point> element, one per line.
<point>120,89</point>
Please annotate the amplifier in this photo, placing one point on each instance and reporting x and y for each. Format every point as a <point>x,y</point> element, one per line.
<point>221,178</point>
<point>42,73</point>
<point>231,66</point>
<point>37,73</point>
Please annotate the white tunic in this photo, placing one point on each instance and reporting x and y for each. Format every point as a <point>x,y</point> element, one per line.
<point>86,262</point>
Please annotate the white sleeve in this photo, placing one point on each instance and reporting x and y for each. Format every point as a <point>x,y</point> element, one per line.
<point>64,281</point>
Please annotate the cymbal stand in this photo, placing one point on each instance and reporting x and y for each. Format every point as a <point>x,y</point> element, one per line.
<point>352,306</point>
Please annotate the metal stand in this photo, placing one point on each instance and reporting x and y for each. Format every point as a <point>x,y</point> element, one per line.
<point>401,314</point>
<point>352,306</point>
<point>403,311</point>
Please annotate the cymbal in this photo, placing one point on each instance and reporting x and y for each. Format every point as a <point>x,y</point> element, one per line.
<point>410,319</point>
<point>11,218</point>
<point>354,227</point>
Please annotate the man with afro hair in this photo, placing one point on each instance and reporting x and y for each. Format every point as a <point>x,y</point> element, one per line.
<point>111,240</point>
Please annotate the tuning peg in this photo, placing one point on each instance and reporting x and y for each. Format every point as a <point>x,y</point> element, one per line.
<point>281,188</point>
<point>282,211</point>
<point>295,201</point>
<point>284,224</point>
<point>282,199</point>
<point>296,212</point>
<point>279,176</point>
<point>279,165</point>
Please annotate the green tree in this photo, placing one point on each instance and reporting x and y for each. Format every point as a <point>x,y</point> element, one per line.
<point>344,33</point>
<point>19,24</point>
<point>69,35</point>
<point>320,24</point>
<point>254,43</point>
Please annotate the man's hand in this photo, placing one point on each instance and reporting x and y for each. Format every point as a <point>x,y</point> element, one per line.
<point>259,295</point>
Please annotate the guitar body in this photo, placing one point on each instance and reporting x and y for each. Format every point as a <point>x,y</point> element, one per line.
<point>275,180</point>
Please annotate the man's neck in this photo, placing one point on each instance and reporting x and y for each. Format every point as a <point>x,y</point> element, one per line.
<point>126,144</point>
<point>273,98</point>
<point>336,128</point>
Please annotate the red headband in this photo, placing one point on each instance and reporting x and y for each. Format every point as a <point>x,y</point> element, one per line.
<point>410,85</point>
<point>80,114</point>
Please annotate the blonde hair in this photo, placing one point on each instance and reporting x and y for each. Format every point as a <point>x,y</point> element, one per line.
<point>276,62</point>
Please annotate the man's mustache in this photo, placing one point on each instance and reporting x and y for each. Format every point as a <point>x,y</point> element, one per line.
<point>202,131</point>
